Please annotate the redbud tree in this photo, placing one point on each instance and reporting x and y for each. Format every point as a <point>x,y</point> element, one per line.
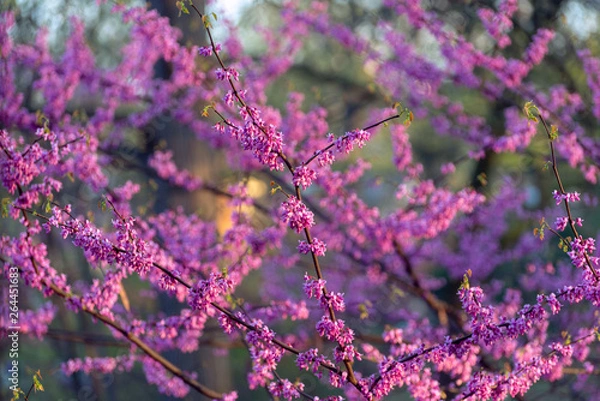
<point>337,282</point>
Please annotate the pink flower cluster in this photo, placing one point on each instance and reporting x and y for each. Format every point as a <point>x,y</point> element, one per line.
<point>567,196</point>
<point>296,214</point>
<point>498,24</point>
<point>208,291</point>
<point>317,247</point>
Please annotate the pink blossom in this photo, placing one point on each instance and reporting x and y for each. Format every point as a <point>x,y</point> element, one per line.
<point>207,291</point>
<point>296,214</point>
<point>304,176</point>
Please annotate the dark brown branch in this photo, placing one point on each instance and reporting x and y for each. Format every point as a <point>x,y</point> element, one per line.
<point>563,192</point>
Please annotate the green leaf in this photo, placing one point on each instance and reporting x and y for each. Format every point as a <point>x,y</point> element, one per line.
<point>42,120</point>
<point>482,178</point>
<point>5,203</point>
<point>529,109</point>
<point>409,117</point>
<point>465,281</point>
<point>182,7</point>
<point>206,21</point>
<point>275,188</point>
<point>553,132</point>
<point>37,384</point>
<point>16,393</point>
<point>364,312</point>
<point>397,292</point>
<point>539,231</point>
<point>102,204</point>
<point>206,109</point>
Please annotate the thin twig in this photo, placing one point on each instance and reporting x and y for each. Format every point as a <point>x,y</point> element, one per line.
<point>563,192</point>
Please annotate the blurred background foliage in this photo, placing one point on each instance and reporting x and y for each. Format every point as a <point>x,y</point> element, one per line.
<point>337,80</point>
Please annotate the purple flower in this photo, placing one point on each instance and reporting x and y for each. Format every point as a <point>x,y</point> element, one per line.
<point>207,291</point>
<point>304,176</point>
<point>296,214</point>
